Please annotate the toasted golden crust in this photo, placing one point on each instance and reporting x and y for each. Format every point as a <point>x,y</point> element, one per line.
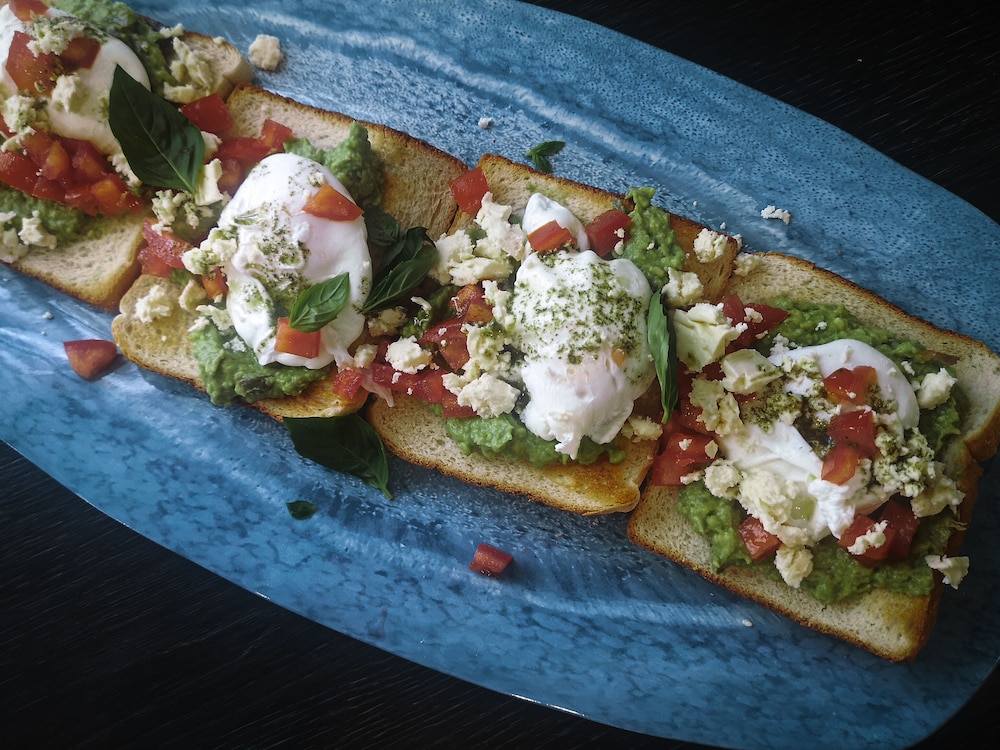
<point>893,626</point>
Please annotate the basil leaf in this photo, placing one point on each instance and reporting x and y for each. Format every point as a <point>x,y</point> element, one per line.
<point>301,510</point>
<point>402,278</point>
<point>404,247</point>
<point>347,444</point>
<point>320,303</point>
<point>539,155</point>
<point>383,229</point>
<point>161,145</point>
<point>663,345</point>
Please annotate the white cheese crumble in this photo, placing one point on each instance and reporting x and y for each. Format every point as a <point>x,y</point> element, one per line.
<point>773,212</point>
<point>33,232</point>
<point>406,355</point>
<point>954,569</point>
<point>935,388</point>
<point>710,245</point>
<point>683,288</point>
<point>265,52</point>
<point>156,303</point>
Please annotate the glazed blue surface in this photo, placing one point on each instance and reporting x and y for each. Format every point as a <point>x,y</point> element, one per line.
<point>583,621</point>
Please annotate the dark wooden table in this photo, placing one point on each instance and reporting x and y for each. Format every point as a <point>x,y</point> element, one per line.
<point>108,640</point>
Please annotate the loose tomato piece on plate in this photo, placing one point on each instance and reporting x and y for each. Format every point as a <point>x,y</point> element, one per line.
<point>490,561</point>
<point>90,357</point>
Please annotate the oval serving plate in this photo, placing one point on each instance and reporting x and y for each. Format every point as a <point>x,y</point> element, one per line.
<point>583,621</point>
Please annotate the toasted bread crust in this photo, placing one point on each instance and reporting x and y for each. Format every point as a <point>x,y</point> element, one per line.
<point>893,626</point>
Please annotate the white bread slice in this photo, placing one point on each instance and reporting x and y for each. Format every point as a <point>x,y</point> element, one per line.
<point>99,269</point>
<point>891,625</point>
<point>416,192</point>
<point>410,430</point>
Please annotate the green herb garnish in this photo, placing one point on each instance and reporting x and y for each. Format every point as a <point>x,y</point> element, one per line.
<point>301,510</point>
<point>663,346</point>
<point>161,145</point>
<point>320,303</point>
<point>347,444</point>
<point>539,155</point>
<point>406,266</point>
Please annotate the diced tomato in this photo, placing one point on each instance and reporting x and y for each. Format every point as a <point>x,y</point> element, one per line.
<point>469,189</point>
<point>25,10</point>
<point>900,517</point>
<point>850,385</point>
<point>860,526</point>
<point>21,173</point>
<point>607,230</point>
<point>89,164</point>
<point>451,342</point>
<point>682,453</point>
<point>274,134</point>
<point>246,150</point>
<point>113,197</point>
<point>162,252</point>
<point>348,382</point>
<point>470,304</point>
<point>550,237</point>
<point>490,561</point>
<point>759,319</point>
<point>840,463</point>
<point>80,52</point>
<point>57,163</point>
<point>760,542</point>
<point>30,72</point>
<point>214,284</point>
<point>90,357</point>
<point>855,428</point>
<point>427,385</point>
<point>293,341</point>
<point>329,203</point>
<point>233,173</point>
<point>209,114</point>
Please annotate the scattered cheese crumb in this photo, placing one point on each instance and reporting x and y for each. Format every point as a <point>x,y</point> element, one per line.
<point>485,122</point>
<point>773,212</point>
<point>265,52</point>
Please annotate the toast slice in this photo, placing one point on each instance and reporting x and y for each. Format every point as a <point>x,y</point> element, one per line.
<point>892,625</point>
<point>416,193</point>
<point>99,268</point>
<point>410,429</point>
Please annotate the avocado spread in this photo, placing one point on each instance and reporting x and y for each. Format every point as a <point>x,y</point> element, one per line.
<point>230,371</point>
<point>65,223</point>
<point>836,574</point>
<point>652,243</point>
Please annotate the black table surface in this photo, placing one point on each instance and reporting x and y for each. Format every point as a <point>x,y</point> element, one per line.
<point>108,640</point>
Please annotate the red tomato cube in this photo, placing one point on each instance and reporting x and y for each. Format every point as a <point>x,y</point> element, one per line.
<point>90,357</point>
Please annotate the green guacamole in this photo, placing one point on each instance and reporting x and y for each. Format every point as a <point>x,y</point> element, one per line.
<point>120,21</point>
<point>506,438</point>
<point>229,375</point>
<point>836,574</point>
<point>65,223</point>
<point>353,161</point>
<point>652,243</point>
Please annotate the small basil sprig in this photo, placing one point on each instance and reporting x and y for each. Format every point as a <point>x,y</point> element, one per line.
<point>406,266</point>
<point>539,155</point>
<point>161,145</point>
<point>320,303</point>
<point>301,510</point>
<point>346,443</point>
<point>663,346</point>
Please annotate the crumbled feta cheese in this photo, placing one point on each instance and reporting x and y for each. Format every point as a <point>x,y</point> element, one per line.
<point>683,288</point>
<point>67,93</point>
<point>773,212</point>
<point>953,568</point>
<point>194,73</point>
<point>265,52</point>
<point>710,245</point>
<point>365,355</point>
<point>406,355</point>
<point>935,388</point>
<point>723,478</point>
<point>191,296</point>
<point>387,322</point>
<point>720,412</point>
<point>642,428</point>
<point>33,232</point>
<point>156,303</point>
<point>488,396</point>
<point>937,496</point>
<point>702,334</point>
<point>871,539</point>
<point>485,122</point>
<point>218,316</point>
<point>794,563</point>
<point>743,264</point>
<point>746,371</point>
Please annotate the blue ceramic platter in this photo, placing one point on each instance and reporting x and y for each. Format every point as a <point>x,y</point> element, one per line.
<point>583,621</point>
